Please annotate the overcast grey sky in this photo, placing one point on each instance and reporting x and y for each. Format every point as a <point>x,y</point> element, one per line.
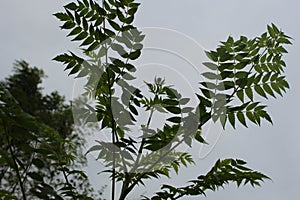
<point>30,32</point>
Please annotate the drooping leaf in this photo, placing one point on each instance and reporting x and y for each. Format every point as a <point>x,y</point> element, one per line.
<point>212,55</point>
<point>260,91</point>
<point>134,55</point>
<point>62,16</point>
<point>211,66</point>
<point>133,109</point>
<point>231,118</point>
<point>249,93</point>
<point>268,90</point>
<point>174,119</point>
<point>75,31</point>
<point>199,138</point>
<point>240,95</point>
<point>241,118</point>
<point>173,109</point>
<point>210,76</point>
<point>81,36</point>
<point>251,117</point>
<point>184,101</point>
<point>71,6</point>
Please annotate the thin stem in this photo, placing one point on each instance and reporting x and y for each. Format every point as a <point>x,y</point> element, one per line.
<point>152,166</point>
<point>113,170</point>
<point>113,136</point>
<point>25,173</point>
<point>14,162</point>
<point>65,176</point>
<point>142,143</point>
<point>128,177</point>
<point>253,65</point>
<point>214,99</point>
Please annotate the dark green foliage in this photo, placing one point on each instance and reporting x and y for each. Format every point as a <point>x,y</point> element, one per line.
<point>240,73</point>
<point>242,68</point>
<point>223,172</point>
<point>40,150</point>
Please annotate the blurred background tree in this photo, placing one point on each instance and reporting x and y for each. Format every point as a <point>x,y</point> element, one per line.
<point>41,149</point>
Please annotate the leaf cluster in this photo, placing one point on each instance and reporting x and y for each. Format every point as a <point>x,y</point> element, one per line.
<point>38,142</point>
<point>242,70</point>
<point>240,73</point>
<point>222,173</point>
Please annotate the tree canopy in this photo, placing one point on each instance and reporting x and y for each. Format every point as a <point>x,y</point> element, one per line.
<point>41,151</point>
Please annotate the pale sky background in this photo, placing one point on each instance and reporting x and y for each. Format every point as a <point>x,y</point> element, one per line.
<point>30,32</point>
